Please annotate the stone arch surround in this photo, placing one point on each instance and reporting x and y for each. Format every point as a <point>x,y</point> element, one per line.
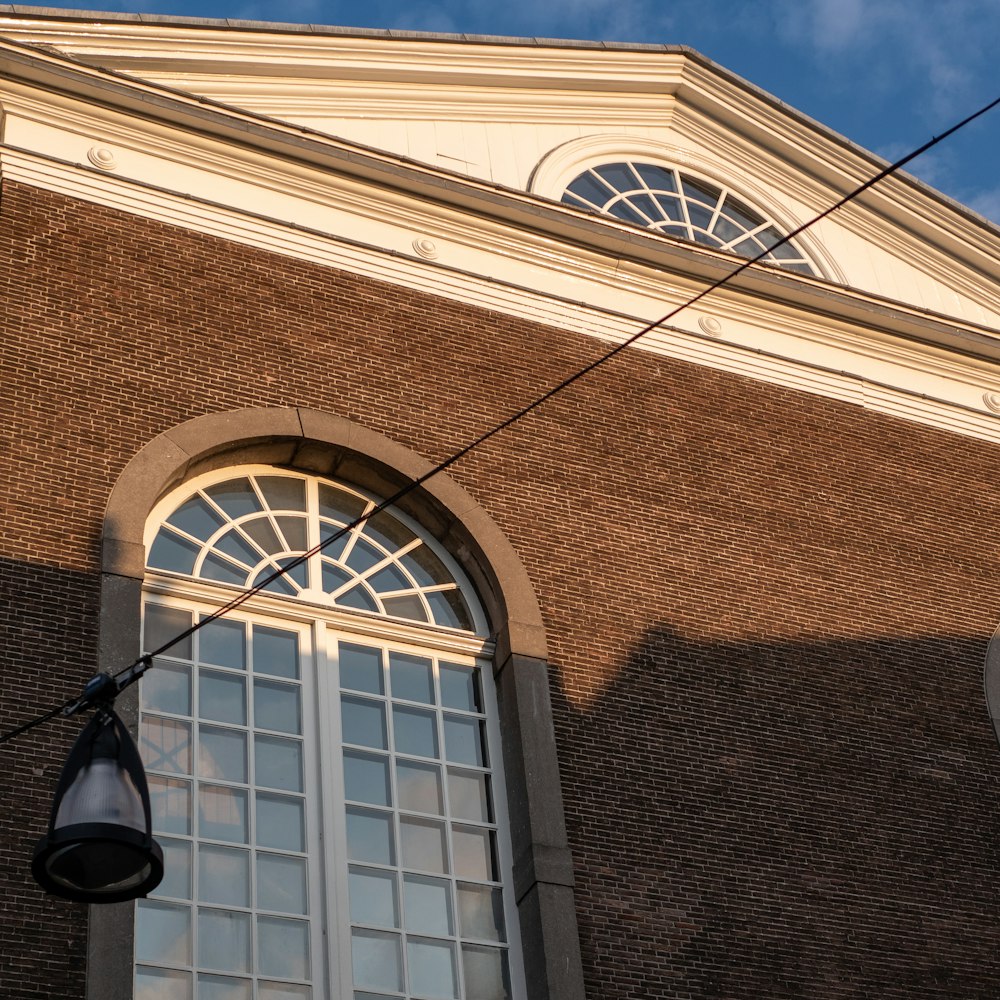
<point>324,444</point>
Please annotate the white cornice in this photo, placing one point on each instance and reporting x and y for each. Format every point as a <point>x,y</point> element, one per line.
<point>430,77</point>
<point>845,362</point>
<point>282,189</point>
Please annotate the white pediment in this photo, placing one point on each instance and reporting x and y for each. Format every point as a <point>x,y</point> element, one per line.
<point>504,111</point>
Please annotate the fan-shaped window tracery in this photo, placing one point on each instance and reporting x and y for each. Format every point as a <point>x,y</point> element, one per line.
<point>674,203</point>
<point>241,530</point>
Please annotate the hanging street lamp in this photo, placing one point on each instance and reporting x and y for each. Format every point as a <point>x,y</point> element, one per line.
<point>99,847</point>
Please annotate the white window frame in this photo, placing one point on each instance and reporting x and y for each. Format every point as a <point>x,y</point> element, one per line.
<point>321,621</point>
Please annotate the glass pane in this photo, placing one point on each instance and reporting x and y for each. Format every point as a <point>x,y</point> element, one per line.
<point>162,984</point>
<point>423,845</point>
<point>165,745</point>
<point>358,598</point>
<point>339,504</point>
<point>624,211</point>
<point>176,869</point>
<point>388,579</point>
<point>278,585</point>
<point>618,175</point>
<point>419,787</point>
<point>281,822</point>
<point>363,556</point>
<point>224,940</point>
<point>222,753</point>
<point>293,580</point>
<point>486,974</point>
<point>376,959</point>
<point>223,988</point>
<point>283,991</point>
<point>283,947</point>
<point>294,531</point>
<point>656,178</point>
<point>167,688</point>
<point>222,813</point>
<point>363,722</point>
<point>276,706</point>
<point>172,553</point>
<point>671,208</point>
<point>163,932</point>
<point>170,800</point>
<point>361,668</point>
<point>366,778</point>
<point>473,853</point>
<point>449,609</point>
<point>223,644</point>
<point>388,530</point>
<point>432,968</point>
<point>233,544</point>
<point>425,567</point>
<point>222,697</point>
<point>411,678</point>
<point>463,740</point>
<point>161,625</point>
<point>414,731</point>
<point>649,207</point>
<point>726,230</point>
<point>468,795</point>
<point>214,567</point>
<point>278,763</point>
<point>281,884</point>
<point>589,189</point>
<point>480,912</point>
<point>427,905</point>
<point>369,837</point>
<point>333,576</point>
<point>236,497</point>
<point>373,897</point>
<point>275,652</point>
<point>409,606</point>
<point>262,532</point>
<point>460,687</point>
<point>743,216</point>
<point>283,492</point>
<point>223,876</point>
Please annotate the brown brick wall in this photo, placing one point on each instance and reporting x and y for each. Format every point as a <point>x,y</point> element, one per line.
<point>767,611</point>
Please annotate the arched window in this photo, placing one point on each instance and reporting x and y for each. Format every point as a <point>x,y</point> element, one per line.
<point>324,763</point>
<point>674,202</point>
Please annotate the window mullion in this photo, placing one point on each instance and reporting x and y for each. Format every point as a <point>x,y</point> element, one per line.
<point>336,915</point>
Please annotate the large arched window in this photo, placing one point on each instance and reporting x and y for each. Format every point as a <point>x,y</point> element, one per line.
<point>324,763</point>
<point>676,203</point>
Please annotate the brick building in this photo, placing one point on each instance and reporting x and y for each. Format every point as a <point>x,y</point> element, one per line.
<point>672,689</point>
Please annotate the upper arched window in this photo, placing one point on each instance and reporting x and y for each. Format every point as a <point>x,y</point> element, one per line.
<point>675,203</point>
<point>324,762</point>
<point>240,530</point>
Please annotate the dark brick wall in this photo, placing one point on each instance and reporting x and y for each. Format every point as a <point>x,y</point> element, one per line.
<point>767,611</point>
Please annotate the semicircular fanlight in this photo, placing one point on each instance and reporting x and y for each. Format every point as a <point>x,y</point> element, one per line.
<point>243,529</point>
<point>674,203</point>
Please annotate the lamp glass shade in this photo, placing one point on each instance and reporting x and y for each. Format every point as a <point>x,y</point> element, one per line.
<point>99,847</point>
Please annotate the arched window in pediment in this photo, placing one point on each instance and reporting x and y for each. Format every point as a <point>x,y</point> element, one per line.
<point>674,202</point>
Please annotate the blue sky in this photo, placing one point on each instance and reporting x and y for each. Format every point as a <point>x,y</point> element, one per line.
<point>888,74</point>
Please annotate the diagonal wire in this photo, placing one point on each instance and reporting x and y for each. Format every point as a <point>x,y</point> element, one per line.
<point>132,673</point>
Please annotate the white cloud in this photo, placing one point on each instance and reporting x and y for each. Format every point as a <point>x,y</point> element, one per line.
<point>936,48</point>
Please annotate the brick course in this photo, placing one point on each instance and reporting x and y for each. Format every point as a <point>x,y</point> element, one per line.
<point>767,611</point>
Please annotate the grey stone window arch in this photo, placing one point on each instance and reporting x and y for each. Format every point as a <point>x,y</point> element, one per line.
<point>329,446</point>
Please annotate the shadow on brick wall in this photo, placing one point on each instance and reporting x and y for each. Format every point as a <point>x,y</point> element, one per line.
<point>48,621</point>
<point>807,820</point>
